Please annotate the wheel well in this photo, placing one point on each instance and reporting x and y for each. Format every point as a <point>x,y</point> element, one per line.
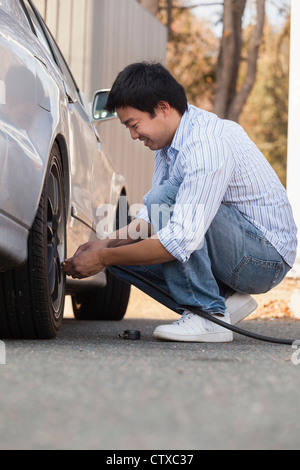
<point>62,145</point>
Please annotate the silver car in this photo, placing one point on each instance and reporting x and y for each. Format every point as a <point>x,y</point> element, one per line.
<point>54,177</point>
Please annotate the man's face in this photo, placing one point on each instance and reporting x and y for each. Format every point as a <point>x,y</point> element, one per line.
<point>155,132</point>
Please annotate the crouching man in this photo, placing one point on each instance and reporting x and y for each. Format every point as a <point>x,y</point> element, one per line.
<point>218,221</point>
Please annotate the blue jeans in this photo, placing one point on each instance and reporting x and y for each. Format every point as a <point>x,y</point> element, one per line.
<point>235,257</point>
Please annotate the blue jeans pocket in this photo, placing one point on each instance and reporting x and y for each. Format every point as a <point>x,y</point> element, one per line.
<point>255,276</point>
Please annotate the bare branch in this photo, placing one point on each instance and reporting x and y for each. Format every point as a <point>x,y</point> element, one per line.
<point>191,7</point>
<point>282,9</point>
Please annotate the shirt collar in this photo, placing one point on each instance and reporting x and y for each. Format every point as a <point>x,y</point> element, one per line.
<point>178,139</point>
<point>181,131</point>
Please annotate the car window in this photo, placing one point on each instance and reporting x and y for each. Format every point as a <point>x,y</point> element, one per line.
<point>65,68</point>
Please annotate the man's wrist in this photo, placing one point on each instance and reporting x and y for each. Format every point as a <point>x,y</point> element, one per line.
<point>104,257</point>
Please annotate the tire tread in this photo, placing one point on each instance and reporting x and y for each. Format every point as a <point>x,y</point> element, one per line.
<point>24,305</point>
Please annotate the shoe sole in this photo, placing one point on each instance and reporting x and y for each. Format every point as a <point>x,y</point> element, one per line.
<point>243,312</point>
<point>208,338</point>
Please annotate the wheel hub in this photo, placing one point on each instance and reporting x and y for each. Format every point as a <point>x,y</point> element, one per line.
<point>55,238</point>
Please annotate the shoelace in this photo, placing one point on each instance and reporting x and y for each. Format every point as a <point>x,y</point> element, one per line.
<point>208,325</point>
<point>185,316</point>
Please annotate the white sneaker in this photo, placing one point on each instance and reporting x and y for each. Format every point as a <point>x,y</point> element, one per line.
<point>240,306</point>
<point>192,328</point>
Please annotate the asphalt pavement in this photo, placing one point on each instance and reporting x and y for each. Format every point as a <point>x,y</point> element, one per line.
<point>89,389</point>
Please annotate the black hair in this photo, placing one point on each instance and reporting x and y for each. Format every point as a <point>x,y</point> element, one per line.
<point>143,85</point>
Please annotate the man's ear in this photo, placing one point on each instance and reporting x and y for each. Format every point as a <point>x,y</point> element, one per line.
<point>163,107</point>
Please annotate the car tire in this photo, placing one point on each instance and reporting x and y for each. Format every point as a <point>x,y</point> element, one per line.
<point>107,304</point>
<point>104,304</point>
<point>32,297</point>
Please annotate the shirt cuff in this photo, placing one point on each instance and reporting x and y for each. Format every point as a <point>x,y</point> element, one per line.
<point>172,246</point>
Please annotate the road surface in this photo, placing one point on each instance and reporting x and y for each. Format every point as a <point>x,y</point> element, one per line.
<point>89,389</point>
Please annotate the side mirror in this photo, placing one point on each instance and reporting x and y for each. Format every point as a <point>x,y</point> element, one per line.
<point>99,102</point>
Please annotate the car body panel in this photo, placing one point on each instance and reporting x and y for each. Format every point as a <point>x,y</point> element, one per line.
<point>40,104</point>
<point>15,10</point>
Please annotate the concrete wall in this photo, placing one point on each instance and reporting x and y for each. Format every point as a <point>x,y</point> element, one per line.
<point>98,39</point>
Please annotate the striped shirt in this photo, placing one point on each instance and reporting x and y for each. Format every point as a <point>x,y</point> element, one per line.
<point>214,162</point>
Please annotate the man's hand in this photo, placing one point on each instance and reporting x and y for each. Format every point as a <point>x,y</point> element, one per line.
<point>93,257</point>
<point>86,262</point>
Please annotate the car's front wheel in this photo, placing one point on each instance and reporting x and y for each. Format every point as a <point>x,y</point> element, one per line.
<point>32,297</point>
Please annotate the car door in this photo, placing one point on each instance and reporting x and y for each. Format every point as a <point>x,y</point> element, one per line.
<point>94,183</point>
<point>81,138</point>
<point>82,147</point>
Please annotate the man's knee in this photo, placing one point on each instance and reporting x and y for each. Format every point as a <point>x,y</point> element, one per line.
<point>157,196</point>
<point>161,199</point>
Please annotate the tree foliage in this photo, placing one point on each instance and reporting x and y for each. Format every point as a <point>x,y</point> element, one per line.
<point>192,56</point>
<point>265,116</point>
<point>243,76</point>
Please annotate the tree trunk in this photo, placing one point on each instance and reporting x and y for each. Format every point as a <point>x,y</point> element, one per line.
<point>229,56</point>
<point>170,18</point>
<point>240,99</point>
<point>229,102</point>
